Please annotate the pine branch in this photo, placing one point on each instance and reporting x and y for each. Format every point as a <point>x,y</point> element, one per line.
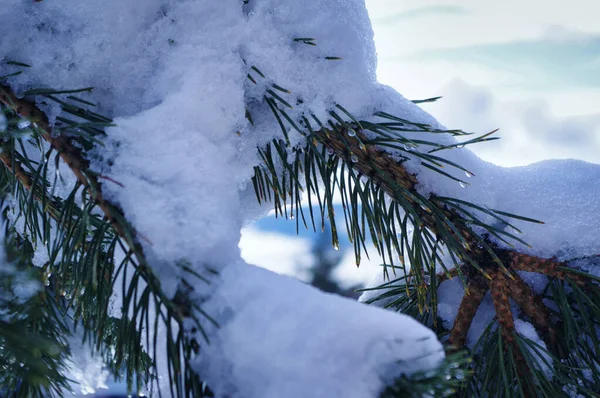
<point>354,158</point>
<point>32,328</point>
<point>181,348</point>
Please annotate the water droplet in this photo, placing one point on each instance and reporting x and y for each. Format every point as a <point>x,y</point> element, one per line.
<point>291,216</point>
<point>459,146</point>
<point>330,151</point>
<point>469,174</point>
<point>336,246</point>
<point>463,184</point>
<point>354,158</point>
<point>407,147</point>
<point>47,282</point>
<point>21,364</point>
<point>351,133</point>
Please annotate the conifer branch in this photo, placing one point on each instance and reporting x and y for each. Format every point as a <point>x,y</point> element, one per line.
<point>378,192</point>
<point>73,157</point>
<point>181,347</point>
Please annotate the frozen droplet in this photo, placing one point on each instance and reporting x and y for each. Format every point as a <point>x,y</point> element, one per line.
<point>23,124</point>
<point>354,158</point>
<point>351,132</point>
<point>462,184</point>
<point>469,174</point>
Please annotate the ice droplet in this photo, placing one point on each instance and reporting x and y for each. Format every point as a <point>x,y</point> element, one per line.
<point>462,184</point>
<point>354,158</point>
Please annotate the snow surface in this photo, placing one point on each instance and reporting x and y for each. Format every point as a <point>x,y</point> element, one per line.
<point>173,74</point>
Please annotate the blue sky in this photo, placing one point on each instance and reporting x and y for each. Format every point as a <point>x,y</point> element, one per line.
<point>528,67</point>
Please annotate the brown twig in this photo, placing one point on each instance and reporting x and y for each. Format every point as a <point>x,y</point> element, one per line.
<point>466,312</point>
<point>392,176</point>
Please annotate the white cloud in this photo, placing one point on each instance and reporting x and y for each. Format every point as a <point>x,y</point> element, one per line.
<point>529,129</point>
<point>482,21</point>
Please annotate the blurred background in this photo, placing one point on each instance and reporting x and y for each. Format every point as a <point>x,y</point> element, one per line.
<point>528,67</point>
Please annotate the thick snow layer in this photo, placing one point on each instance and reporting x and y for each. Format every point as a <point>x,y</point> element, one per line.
<point>174,76</point>
<point>363,346</point>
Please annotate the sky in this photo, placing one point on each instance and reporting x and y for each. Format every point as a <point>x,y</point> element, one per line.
<point>530,68</point>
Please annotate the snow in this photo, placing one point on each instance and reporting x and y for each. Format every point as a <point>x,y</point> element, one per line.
<point>173,74</point>
<point>86,370</point>
<point>353,363</point>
